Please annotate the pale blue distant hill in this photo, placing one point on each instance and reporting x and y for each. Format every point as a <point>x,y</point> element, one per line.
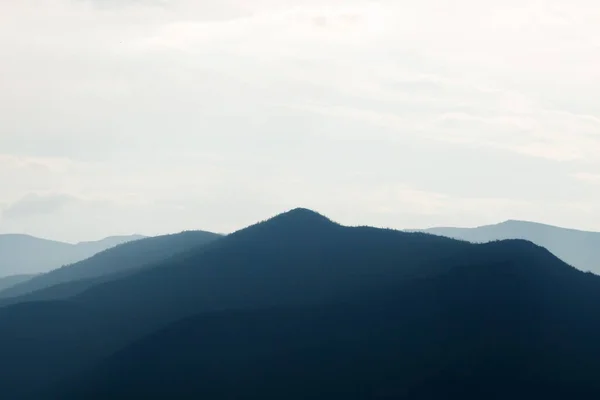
<point>25,255</point>
<point>106,265</point>
<point>13,280</point>
<point>580,249</point>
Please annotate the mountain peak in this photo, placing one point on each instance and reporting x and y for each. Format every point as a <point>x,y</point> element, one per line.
<point>301,216</point>
<point>301,212</point>
<point>519,222</point>
<point>296,221</point>
<point>539,225</point>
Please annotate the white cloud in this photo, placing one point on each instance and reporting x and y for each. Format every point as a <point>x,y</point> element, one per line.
<point>53,164</point>
<point>587,177</point>
<point>34,204</point>
<point>260,105</point>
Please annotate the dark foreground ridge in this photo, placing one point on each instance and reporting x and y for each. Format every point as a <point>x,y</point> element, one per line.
<point>299,307</point>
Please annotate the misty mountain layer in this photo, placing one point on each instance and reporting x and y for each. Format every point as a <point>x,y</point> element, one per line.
<point>107,265</point>
<point>13,280</point>
<point>580,249</point>
<point>23,254</point>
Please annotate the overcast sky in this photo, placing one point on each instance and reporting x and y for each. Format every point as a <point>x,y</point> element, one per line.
<point>154,116</point>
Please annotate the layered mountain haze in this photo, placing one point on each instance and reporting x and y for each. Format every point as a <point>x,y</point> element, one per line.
<point>24,254</point>
<point>301,307</point>
<point>578,248</point>
<point>105,266</point>
<point>10,281</point>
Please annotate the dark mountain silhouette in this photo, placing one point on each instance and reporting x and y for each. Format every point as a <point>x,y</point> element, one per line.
<point>73,279</point>
<point>63,291</point>
<point>296,258</point>
<point>10,281</point>
<point>521,326</point>
<point>580,249</point>
<point>23,254</point>
<point>299,257</point>
<point>301,307</point>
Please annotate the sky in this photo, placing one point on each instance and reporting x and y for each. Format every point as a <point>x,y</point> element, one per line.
<point>156,116</point>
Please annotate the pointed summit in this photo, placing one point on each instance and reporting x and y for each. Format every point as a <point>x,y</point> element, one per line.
<point>303,215</point>
<point>298,221</point>
<point>301,219</point>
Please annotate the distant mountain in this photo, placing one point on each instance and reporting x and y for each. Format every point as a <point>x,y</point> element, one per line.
<point>580,249</point>
<point>299,307</point>
<point>23,254</point>
<point>297,258</point>
<point>94,247</point>
<point>10,281</point>
<point>299,302</point>
<point>123,258</point>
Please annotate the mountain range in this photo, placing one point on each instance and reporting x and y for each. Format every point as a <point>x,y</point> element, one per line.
<point>578,248</point>
<point>10,281</point>
<point>300,307</point>
<point>28,255</point>
<point>106,265</point>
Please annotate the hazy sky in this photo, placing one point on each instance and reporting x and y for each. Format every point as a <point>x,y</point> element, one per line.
<point>155,116</point>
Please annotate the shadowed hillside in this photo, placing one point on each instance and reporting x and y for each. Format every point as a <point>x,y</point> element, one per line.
<point>301,307</point>
<point>502,330</point>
